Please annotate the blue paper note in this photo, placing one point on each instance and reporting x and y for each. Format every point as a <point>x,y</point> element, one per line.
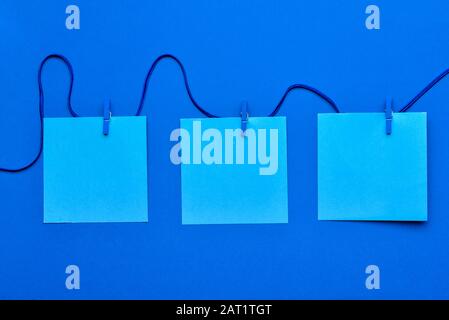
<point>364,174</point>
<point>90,177</point>
<point>234,179</point>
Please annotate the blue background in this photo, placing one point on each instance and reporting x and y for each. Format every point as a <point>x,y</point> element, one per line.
<point>233,50</point>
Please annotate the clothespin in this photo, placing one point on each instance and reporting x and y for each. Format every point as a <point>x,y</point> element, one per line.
<point>388,115</point>
<point>244,116</point>
<point>107,114</point>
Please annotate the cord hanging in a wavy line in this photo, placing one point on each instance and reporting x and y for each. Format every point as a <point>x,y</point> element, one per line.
<point>41,108</point>
<point>424,91</point>
<point>307,88</point>
<point>186,84</point>
<point>142,99</point>
<point>208,114</point>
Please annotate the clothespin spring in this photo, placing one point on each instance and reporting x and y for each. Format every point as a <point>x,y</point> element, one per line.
<point>107,114</point>
<point>388,115</point>
<point>244,116</point>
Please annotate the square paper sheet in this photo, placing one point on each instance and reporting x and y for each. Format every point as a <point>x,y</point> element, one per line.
<point>235,193</point>
<point>365,174</point>
<point>89,177</point>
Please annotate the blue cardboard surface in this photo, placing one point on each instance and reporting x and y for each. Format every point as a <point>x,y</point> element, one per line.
<point>232,50</point>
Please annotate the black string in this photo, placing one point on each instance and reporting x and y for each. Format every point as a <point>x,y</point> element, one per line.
<point>189,93</point>
<point>208,114</point>
<point>41,108</point>
<point>424,91</point>
<point>307,88</point>
<point>142,99</point>
<point>186,84</point>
